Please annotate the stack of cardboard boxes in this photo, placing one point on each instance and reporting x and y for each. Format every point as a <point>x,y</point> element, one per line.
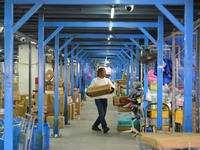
<point>124,119</point>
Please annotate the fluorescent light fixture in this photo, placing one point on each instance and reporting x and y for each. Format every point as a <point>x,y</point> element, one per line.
<point>112,12</point>
<point>33,42</point>
<point>109,43</point>
<point>108,39</point>
<point>110,28</point>
<point>1,50</point>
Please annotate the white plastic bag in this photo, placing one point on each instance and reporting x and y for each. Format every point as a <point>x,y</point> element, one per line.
<point>148,96</point>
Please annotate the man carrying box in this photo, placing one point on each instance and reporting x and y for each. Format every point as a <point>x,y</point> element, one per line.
<point>101,101</point>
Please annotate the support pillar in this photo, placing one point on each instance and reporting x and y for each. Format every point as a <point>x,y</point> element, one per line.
<point>66,85</point>
<point>188,65</point>
<point>160,72</point>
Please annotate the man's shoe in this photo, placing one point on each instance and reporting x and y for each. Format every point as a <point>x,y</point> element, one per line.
<point>96,129</point>
<point>105,130</point>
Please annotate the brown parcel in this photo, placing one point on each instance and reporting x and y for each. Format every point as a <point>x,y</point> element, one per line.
<point>19,110</point>
<point>50,103</point>
<point>99,90</point>
<point>49,75</point>
<point>50,121</point>
<point>69,109</point>
<point>46,97</point>
<point>77,101</point>
<point>16,95</point>
<point>61,81</point>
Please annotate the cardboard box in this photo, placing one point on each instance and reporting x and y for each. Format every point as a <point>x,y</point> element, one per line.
<point>35,107</point>
<point>121,81</point>
<point>15,79</point>
<point>50,88</point>
<point>69,108</point>
<point>50,103</point>
<point>61,90</point>
<point>123,100</point>
<point>26,103</point>
<point>99,90</point>
<point>124,109</point>
<point>16,95</point>
<point>50,121</point>
<point>123,128</point>
<point>77,101</point>
<point>73,110</point>
<point>15,86</point>
<point>46,97</point>
<point>36,86</point>
<point>19,110</point>
<point>49,75</point>
<point>69,99</point>
<point>60,82</point>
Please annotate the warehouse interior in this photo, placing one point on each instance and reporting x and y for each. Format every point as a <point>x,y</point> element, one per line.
<point>50,52</point>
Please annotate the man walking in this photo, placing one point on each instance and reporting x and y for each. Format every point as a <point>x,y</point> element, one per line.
<point>101,101</point>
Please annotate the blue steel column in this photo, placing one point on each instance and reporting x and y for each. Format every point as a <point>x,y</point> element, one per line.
<point>77,71</point>
<point>131,68</point>
<point>146,43</point>
<point>66,85</point>
<point>128,77</point>
<point>72,75</point>
<point>80,76</point>
<point>137,63</point>
<point>40,139</point>
<point>8,76</point>
<point>160,71</point>
<point>188,65</point>
<point>56,107</point>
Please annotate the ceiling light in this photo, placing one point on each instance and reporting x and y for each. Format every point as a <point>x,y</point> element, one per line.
<point>1,50</point>
<point>33,42</point>
<point>112,12</point>
<point>1,29</point>
<point>110,28</point>
<point>108,39</point>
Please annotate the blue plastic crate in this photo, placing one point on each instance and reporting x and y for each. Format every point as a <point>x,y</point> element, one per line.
<point>16,130</point>
<point>46,136</point>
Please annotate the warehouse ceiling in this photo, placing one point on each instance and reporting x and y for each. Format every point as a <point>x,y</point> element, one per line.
<point>94,13</point>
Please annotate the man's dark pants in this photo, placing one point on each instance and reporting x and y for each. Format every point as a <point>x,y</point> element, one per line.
<point>101,107</point>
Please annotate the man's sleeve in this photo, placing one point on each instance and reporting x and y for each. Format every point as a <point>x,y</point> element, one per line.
<point>110,83</point>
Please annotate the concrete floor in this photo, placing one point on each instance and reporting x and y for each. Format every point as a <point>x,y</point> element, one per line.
<point>79,136</point>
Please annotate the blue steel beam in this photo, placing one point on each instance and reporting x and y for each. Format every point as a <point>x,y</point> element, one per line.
<point>188,39</point>
<point>118,36</point>
<point>148,35</point>
<point>77,71</point>
<point>146,43</point>
<point>40,135</point>
<point>82,55</point>
<point>128,48</point>
<point>8,75</point>
<point>72,75</point>
<point>103,2</point>
<point>73,49</point>
<point>104,51</point>
<point>102,24</point>
<point>66,85</point>
<point>160,71</point>
<point>123,56</point>
<point>103,47</point>
<point>137,64</point>
<point>53,35</point>
<point>80,73</point>
<point>65,44</point>
<point>26,16</point>
<point>101,43</point>
<point>128,61</point>
<point>79,52</point>
<point>56,106</point>
<point>170,17</point>
<point>126,54</point>
<point>136,43</point>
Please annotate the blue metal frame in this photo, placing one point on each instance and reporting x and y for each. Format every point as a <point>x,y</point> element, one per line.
<point>146,43</point>
<point>104,2</point>
<point>8,42</point>
<point>72,75</point>
<point>56,101</point>
<point>188,65</point>
<point>137,64</point>
<point>66,85</point>
<point>77,73</point>
<point>8,75</point>
<point>160,71</point>
<point>40,81</point>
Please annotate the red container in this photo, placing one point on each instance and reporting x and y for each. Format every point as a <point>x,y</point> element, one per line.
<point>36,80</point>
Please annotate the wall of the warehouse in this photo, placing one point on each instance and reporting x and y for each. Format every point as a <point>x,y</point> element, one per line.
<point>23,67</point>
